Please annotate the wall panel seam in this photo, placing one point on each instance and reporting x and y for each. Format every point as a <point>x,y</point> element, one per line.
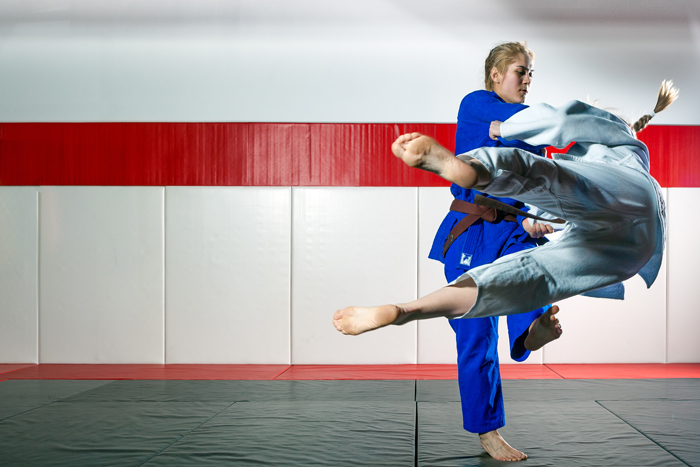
<point>668,274</point>
<point>38,275</point>
<point>291,268</point>
<point>163,252</point>
<point>417,263</point>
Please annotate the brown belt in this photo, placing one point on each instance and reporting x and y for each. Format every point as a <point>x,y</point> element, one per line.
<point>488,209</point>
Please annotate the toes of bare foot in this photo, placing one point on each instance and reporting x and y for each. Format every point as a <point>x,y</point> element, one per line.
<point>553,311</point>
<point>338,321</point>
<point>543,330</point>
<point>415,151</point>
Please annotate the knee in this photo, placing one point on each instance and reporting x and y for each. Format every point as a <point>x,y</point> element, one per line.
<point>481,165</point>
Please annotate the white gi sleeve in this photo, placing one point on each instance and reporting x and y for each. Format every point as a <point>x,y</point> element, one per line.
<point>543,124</point>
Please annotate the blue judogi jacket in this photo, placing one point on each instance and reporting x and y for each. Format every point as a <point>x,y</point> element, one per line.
<point>483,242</point>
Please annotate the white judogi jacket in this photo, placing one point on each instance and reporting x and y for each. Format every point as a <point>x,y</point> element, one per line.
<point>600,137</point>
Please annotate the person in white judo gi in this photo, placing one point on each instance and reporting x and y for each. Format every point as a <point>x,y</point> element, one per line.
<point>601,187</point>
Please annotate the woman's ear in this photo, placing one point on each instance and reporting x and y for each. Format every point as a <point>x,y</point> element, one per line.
<point>495,75</point>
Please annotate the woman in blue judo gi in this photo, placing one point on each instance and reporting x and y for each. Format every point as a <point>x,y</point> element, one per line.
<point>468,238</point>
<point>614,211</point>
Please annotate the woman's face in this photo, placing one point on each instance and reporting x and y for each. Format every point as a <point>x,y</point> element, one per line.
<point>513,86</point>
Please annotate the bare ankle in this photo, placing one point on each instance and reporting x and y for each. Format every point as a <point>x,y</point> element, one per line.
<point>404,315</point>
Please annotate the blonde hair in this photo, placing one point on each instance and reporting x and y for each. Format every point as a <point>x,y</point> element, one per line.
<point>502,56</point>
<point>667,94</point>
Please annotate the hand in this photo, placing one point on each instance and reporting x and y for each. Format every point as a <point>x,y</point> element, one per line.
<point>537,230</point>
<point>495,129</point>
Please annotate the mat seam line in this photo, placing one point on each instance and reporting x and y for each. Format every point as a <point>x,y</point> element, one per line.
<point>178,439</point>
<point>52,402</point>
<point>289,367</point>
<point>642,433</point>
<point>28,410</point>
<point>552,370</point>
<point>415,436</point>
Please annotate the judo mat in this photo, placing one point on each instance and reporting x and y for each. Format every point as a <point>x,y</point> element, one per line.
<point>613,422</point>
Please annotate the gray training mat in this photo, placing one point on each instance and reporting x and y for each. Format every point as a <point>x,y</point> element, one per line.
<point>248,391</point>
<point>336,423</point>
<point>18,396</point>
<point>570,389</point>
<point>550,433</point>
<point>302,433</point>
<point>645,406</point>
<point>99,433</point>
<point>673,425</point>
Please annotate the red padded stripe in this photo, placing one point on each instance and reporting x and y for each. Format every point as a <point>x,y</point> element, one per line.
<point>343,372</point>
<point>203,154</point>
<point>675,154</point>
<point>626,370</point>
<point>369,372</point>
<point>6,368</point>
<point>259,154</point>
<point>148,372</point>
<point>390,372</point>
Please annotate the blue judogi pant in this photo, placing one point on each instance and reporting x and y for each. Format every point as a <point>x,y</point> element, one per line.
<point>477,357</point>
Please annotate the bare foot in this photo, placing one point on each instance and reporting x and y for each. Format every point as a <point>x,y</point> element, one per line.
<point>496,446</point>
<point>425,153</point>
<point>543,330</point>
<point>355,320</point>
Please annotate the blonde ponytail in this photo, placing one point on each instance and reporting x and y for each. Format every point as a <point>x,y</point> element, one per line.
<point>667,94</point>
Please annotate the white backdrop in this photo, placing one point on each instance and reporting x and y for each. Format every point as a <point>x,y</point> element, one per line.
<point>340,61</point>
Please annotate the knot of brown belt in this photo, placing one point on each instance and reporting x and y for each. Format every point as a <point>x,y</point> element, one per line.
<point>473,212</point>
<point>488,209</point>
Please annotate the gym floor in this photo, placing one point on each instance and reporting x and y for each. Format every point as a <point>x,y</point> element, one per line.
<point>403,415</point>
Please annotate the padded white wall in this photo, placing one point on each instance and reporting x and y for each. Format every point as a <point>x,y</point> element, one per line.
<point>436,340</point>
<point>683,290</point>
<point>253,275</point>
<point>101,275</point>
<point>227,274</point>
<point>352,247</point>
<point>340,61</point>
<point>19,271</point>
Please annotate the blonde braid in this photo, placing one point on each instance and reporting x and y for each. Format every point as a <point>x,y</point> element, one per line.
<point>667,94</point>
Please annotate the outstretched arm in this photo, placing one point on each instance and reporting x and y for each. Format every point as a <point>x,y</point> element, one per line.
<point>574,121</point>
